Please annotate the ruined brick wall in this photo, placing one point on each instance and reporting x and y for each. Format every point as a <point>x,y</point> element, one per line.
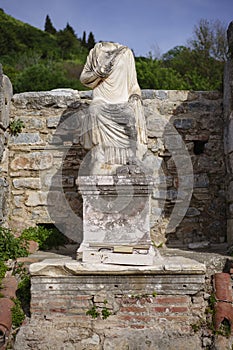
<point>185,136</point>
<point>115,310</point>
<point>5,101</point>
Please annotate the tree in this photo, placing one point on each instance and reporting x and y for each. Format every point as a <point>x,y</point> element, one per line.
<point>40,77</point>
<point>84,40</point>
<point>49,26</point>
<point>90,41</point>
<point>152,75</point>
<point>68,42</point>
<point>210,37</point>
<point>70,29</point>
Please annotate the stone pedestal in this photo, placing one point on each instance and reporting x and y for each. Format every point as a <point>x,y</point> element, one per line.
<point>112,307</point>
<point>116,219</point>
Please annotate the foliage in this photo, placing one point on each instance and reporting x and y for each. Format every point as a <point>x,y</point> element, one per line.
<point>39,77</point>
<point>93,312</point>
<point>210,37</point>
<point>3,269</point>
<point>16,36</point>
<point>18,315</point>
<point>11,247</point>
<point>16,127</point>
<point>90,41</point>
<point>152,75</point>
<point>23,291</point>
<point>198,71</point>
<point>48,27</point>
<point>42,60</point>
<point>105,313</point>
<point>46,238</point>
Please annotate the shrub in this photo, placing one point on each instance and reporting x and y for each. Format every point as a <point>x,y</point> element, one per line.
<point>46,238</point>
<point>11,247</point>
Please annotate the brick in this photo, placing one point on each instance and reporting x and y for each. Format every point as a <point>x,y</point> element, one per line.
<point>172,300</point>
<point>160,309</point>
<point>170,309</point>
<point>133,309</point>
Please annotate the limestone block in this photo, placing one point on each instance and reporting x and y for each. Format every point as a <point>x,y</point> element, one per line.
<point>30,182</point>
<point>161,94</point>
<point>36,198</point>
<point>58,181</point>
<point>175,95</point>
<point>184,123</point>
<point>2,144</point>
<point>154,126</point>
<point>32,161</point>
<point>116,209</point>
<point>57,98</point>
<point>18,201</point>
<point>94,257</point>
<point>148,94</point>
<point>179,265</point>
<point>33,123</point>
<point>52,122</point>
<point>4,162</point>
<point>6,93</point>
<point>27,139</point>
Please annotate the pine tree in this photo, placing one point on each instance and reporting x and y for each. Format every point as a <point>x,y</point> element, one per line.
<point>49,26</point>
<point>90,41</point>
<point>84,40</point>
<point>70,29</point>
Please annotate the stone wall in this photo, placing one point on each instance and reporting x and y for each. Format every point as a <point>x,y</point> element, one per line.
<point>228,115</point>
<point>6,93</point>
<point>185,131</point>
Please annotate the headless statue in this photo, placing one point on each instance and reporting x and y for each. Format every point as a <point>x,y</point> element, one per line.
<point>115,129</point>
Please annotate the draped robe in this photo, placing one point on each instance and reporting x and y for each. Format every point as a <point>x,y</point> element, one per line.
<point>116,120</point>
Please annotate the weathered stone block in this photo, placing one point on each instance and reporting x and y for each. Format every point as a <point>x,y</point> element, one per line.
<point>29,182</point>
<point>52,122</point>
<point>27,138</point>
<point>116,212</point>
<point>184,123</point>
<point>6,93</point>
<point>57,98</point>
<point>33,161</point>
<point>154,126</point>
<point>36,198</point>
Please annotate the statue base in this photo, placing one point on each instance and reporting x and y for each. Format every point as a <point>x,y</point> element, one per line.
<point>120,255</point>
<point>116,214</point>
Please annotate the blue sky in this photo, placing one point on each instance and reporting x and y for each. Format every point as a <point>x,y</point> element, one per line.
<point>143,25</point>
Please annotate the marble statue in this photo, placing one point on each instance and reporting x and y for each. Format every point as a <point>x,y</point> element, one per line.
<point>116,125</point>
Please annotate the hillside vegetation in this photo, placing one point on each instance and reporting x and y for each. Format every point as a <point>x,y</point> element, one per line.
<point>42,60</point>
